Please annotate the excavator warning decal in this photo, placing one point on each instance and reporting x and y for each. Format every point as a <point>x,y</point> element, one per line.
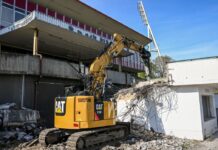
<point>60,106</point>
<point>99,110</point>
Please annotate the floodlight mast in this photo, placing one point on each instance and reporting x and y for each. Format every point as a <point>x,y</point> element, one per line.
<point>144,17</point>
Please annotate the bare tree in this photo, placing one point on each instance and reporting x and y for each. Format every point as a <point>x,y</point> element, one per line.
<point>159,66</point>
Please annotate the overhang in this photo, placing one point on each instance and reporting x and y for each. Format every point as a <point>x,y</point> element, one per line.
<point>55,38</point>
<point>84,13</point>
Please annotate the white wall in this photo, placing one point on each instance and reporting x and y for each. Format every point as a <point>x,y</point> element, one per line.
<point>185,121</point>
<point>178,113</point>
<point>201,71</point>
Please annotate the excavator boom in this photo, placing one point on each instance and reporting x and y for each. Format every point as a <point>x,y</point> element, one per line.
<point>98,67</point>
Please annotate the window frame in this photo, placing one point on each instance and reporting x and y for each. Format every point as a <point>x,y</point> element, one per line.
<point>208,110</point>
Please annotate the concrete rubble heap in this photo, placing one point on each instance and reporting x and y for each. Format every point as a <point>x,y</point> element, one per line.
<point>148,140</point>
<point>137,140</point>
<point>137,103</point>
<point>17,124</point>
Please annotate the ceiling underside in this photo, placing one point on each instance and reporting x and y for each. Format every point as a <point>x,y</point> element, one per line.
<point>80,11</point>
<point>54,41</point>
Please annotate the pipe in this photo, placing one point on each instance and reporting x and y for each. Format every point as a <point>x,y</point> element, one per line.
<point>23,91</point>
<point>36,50</point>
<point>36,53</point>
<point>0,48</point>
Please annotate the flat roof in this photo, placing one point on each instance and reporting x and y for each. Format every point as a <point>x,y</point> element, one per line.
<point>86,14</point>
<point>194,59</point>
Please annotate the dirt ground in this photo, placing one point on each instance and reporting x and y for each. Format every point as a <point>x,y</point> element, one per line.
<point>209,144</point>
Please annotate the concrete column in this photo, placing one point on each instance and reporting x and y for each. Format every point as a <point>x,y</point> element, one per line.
<point>35,42</point>
<point>120,65</point>
<point>81,67</point>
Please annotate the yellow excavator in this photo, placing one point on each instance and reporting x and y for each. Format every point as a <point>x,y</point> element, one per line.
<point>88,121</point>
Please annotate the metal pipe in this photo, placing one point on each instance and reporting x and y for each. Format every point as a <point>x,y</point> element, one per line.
<point>35,42</point>
<point>0,48</point>
<point>36,49</point>
<point>23,91</point>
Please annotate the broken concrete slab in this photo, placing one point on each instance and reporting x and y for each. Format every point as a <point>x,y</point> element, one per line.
<point>8,106</point>
<point>11,115</point>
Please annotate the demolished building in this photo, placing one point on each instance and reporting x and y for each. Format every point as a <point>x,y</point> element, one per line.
<point>183,107</point>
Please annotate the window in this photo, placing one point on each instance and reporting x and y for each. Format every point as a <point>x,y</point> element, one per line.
<point>19,16</point>
<point>7,14</point>
<point>208,109</point>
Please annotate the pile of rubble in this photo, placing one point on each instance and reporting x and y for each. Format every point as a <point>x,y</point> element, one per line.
<point>137,140</point>
<point>141,89</point>
<point>148,140</point>
<point>17,125</point>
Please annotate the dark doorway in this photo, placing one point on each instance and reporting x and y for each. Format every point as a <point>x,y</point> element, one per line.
<point>46,93</point>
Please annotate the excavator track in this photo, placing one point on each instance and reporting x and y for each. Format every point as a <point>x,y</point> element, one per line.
<point>94,139</point>
<point>47,136</point>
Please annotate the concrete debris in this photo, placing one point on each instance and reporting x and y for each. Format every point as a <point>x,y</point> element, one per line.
<point>18,125</point>
<point>11,115</point>
<point>148,140</point>
<point>8,106</point>
<point>145,140</point>
<point>140,89</point>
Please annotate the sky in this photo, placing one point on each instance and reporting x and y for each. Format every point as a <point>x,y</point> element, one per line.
<point>184,29</point>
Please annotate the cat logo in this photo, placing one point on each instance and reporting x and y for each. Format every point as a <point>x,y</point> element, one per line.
<point>60,107</point>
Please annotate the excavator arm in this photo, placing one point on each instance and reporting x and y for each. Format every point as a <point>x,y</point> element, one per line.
<point>97,70</point>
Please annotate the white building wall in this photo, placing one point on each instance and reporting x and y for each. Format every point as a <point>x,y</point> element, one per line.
<point>180,114</point>
<point>191,72</point>
<point>185,120</point>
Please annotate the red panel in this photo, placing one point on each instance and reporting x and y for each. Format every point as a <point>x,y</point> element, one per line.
<point>51,13</point>
<point>109,36</point>
<point>67,20</point>
<point>42,9</point>
<point>104,34</point>
<point>81,25</point>
<point>88,28</point>
<point>74,22</point>
<point>31,6</point>
<point>9,1</point>
<point>99,32</point>
<point>21,4</point>
<point>94,30</point>
<point>60,16</point>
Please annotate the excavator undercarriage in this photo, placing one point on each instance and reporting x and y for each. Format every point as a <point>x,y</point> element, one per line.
<point>84,139</point>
